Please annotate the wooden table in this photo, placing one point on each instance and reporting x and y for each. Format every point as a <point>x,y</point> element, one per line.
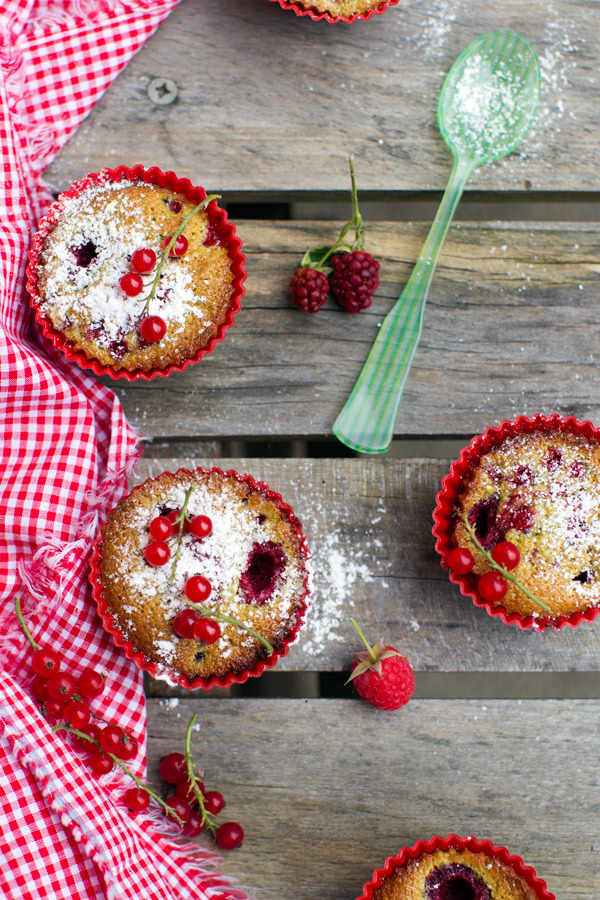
<point>268,108</point>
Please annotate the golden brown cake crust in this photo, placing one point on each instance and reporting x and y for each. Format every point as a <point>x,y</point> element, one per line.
<point>89,249</point>
<point>541,491</point>
<point>144,604</point>
<point>340,7</point>
<point>408,882</point>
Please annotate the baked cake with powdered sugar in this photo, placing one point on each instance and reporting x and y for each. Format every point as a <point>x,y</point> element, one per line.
<point>541,492</point>
<point>452,874</point>
<point>96,297</point>
<point>250,551</point>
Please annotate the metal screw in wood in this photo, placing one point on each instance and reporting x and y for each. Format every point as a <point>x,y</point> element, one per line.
<point>162,91</point>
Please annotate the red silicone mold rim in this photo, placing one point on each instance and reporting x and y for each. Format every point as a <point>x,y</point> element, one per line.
<point>328,17</point>
<point>162,672</point>
<point>447,499</point>
<point>152,175</point>
<point>527,873</point>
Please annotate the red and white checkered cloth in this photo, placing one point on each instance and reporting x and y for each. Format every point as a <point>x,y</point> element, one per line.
<point>66,449</point>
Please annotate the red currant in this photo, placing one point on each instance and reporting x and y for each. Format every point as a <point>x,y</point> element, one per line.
<point>61,686</point>
<point>152,329</point>
<point>143,260</point>
<point>173,767</point>
<point>197,589</point>
<point>52,708</point>
<point>94,732</point>
<point>137,799</point>
<point>207,630</point>
<point>201,526</point>
<point>99,763</point>
<point>39,688</point>
<point>229,836</point>
<point>112,740</point>
<point>131,284</point>
<point>492,586</point>
<point>506,554</point>
<point>181,807</point>
<point>90,683</point>
<point>77,715</point>
<point>461,560</point>
<point>157,553</point>
<point>194,825</point>
<point>128,749</point>
<point>161,528</point>
<point>173,516</point>
<point>214,802</point>
<point>179,247</point>
<point>45,662</point>
<point>184,621</point>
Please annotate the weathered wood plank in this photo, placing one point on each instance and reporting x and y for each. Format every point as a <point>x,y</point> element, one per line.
<point>271,102</point>
<point>510,328</point>
<point>327,789</point>
<point>368,524</point>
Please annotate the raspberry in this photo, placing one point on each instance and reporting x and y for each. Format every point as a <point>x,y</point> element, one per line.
<point>381,675</point>
<point>309,289</point>
<point>354,278</point>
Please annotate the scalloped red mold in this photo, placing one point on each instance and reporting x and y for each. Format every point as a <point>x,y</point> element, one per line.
<point>171,676</point>
<point>328,17</point>
<point>447,499</point>
<point>527,873</point>
<point>152,175</point>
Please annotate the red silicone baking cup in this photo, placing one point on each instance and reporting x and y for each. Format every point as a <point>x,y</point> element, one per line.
<point>444,514</point>
<point>163,672</point>
<point>218,217</point>
<point>317,16</point>
<point>527,873</point>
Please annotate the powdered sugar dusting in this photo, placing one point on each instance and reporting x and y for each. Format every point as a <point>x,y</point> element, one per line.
<point>339,569</point>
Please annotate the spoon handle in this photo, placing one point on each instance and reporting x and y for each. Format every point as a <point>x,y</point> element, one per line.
<point>366,422</point>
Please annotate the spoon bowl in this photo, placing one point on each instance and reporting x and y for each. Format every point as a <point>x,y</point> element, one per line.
<point>486,106</point>
<point>490,97</point>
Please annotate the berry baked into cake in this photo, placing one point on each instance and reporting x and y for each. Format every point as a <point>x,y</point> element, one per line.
<point>109,282</point>
<point>538,492</point>
<point>454,875</point>
<point>205,572</point>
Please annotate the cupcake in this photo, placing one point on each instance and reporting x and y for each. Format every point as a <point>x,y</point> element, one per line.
<point>528,494</point>
<point>338,10</point>
<point>202,576</point>
<point>455,869</point>
<point>134,272</point>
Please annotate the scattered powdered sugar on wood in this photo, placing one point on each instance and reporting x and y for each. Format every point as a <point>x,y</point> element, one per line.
<point>339,568</point>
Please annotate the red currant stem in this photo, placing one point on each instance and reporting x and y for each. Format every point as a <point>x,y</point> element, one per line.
<point>193,779</point>
<point>24,627</point>
<point>181,520</point>
<point>171,244</point>
<point>141,784</point>
<point>359,238</point>
<point>371,652</point>
<point>503,571</point>
<point>215,614</point>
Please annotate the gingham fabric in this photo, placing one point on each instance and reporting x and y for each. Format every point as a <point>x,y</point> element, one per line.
<point>66,449</point>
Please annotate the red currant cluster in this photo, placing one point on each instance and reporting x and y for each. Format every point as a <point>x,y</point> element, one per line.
<point>188,623</point>
<point>195,806</point>
<point>491,585</point>
<point>152,328</point>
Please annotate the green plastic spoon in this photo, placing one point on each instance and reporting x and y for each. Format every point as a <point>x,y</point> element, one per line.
<point>486,107</point>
